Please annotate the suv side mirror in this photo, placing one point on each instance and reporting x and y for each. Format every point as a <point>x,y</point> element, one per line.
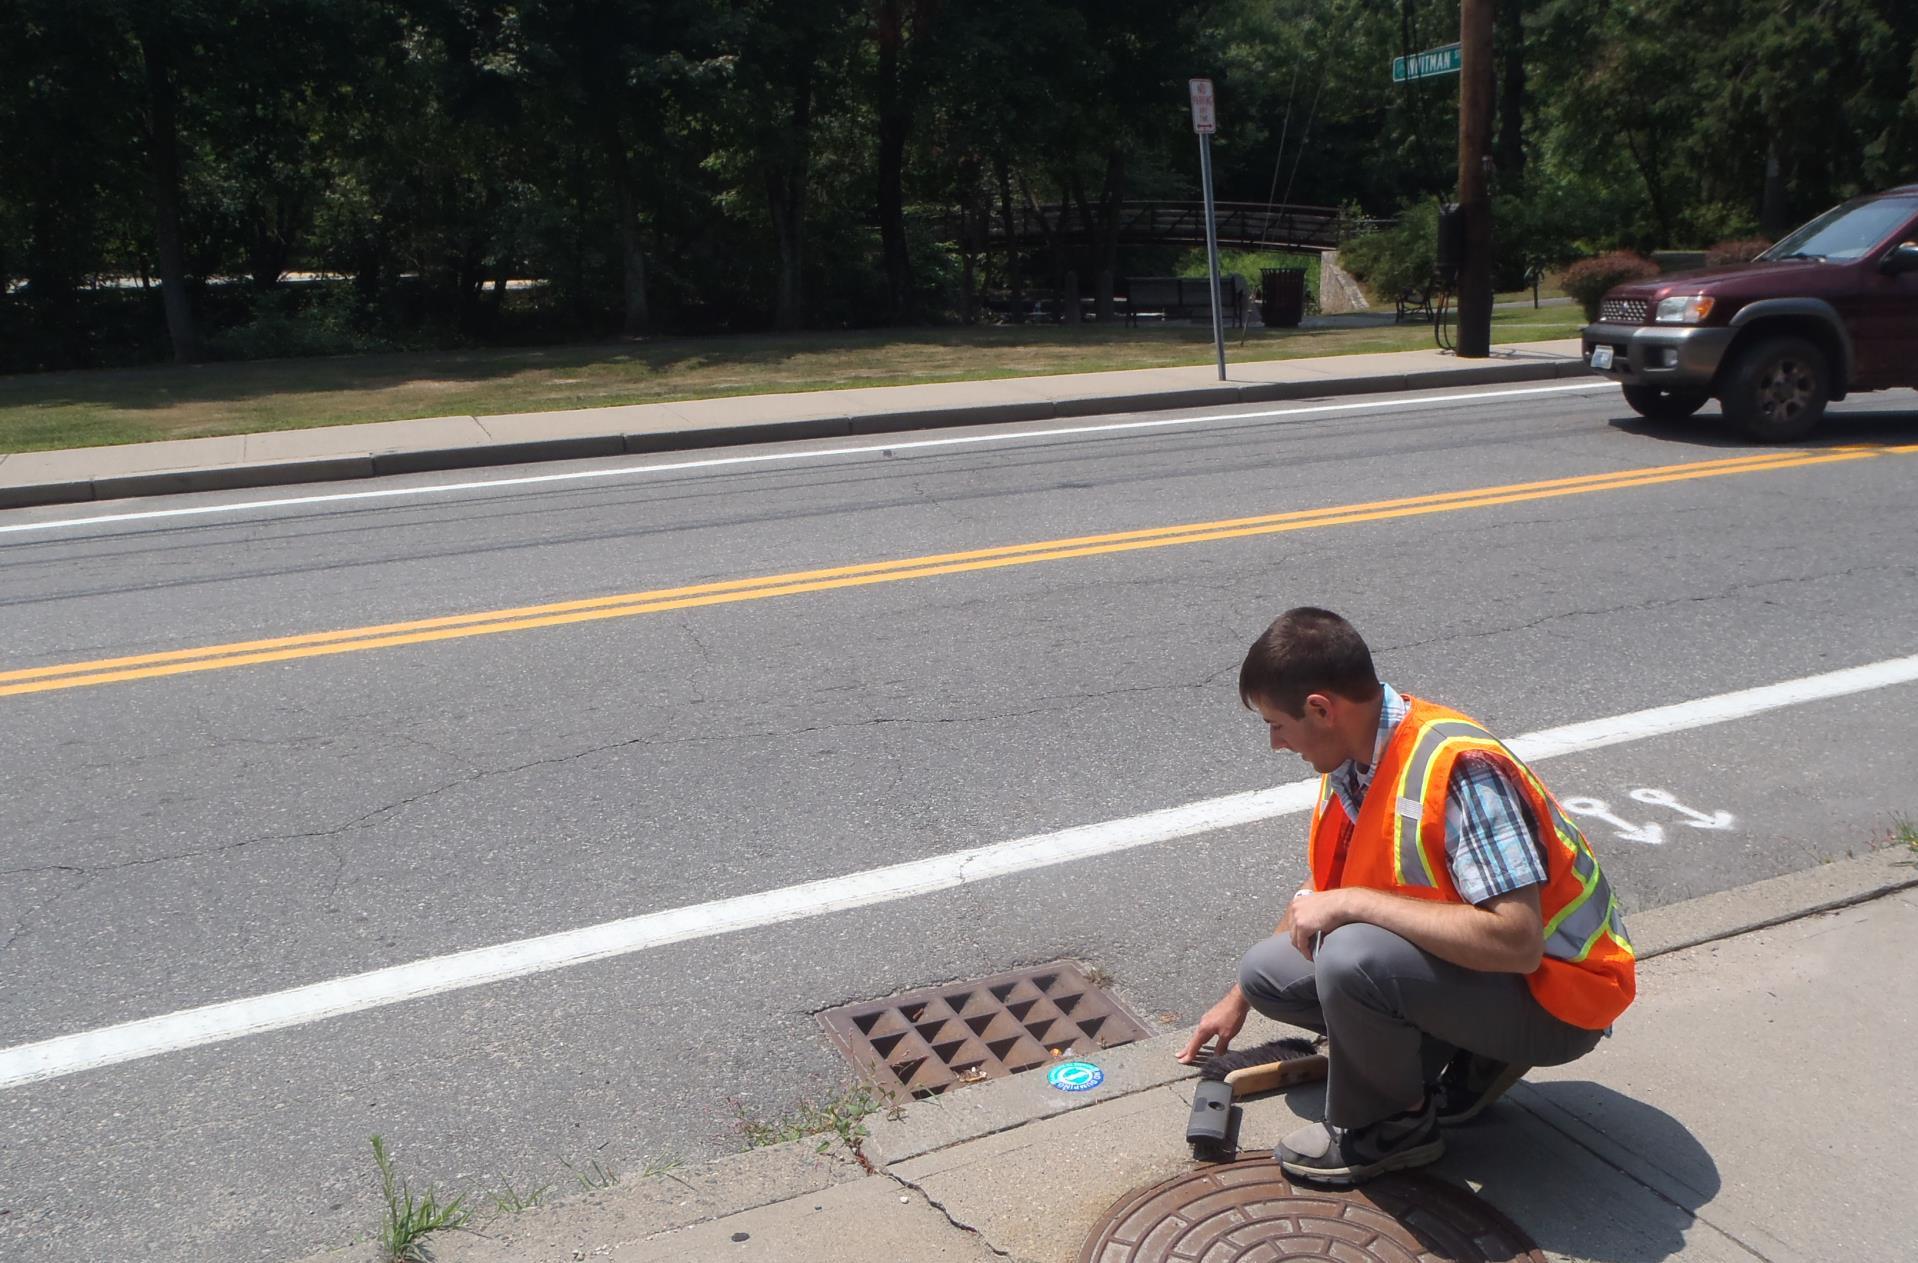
<point>1903,258</point>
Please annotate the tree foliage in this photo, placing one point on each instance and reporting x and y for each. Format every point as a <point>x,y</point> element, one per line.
<point>167,170</point>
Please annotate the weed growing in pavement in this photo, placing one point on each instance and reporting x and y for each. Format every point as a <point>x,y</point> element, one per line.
<point>409,1219</point>
<point>509,1201</point>
<point>1904,830</point>
<point>843,1116</point>
<point>594,1178</point>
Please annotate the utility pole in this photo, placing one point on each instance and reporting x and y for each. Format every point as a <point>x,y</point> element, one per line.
<point>1474,177</point>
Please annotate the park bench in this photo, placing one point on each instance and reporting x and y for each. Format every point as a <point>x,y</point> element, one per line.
<point>1415,301</point>
<point>1183,298</point>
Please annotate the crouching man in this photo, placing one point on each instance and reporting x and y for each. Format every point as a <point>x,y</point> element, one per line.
<point>1456,931</point>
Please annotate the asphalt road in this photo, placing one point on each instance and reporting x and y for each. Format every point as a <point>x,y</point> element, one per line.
<point>178,840</point>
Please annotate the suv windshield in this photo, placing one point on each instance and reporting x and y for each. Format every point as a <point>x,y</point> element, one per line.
<point>1846,232</point>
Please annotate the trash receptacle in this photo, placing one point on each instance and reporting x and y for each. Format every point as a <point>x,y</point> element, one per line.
<point>1282,296</point>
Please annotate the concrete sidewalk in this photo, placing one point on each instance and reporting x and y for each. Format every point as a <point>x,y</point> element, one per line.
<point>1754,1104</point>
<point>332,453</point>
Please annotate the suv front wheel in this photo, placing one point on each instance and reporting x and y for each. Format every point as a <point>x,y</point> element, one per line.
<point>1655,404</point>
<point>1777,389</point>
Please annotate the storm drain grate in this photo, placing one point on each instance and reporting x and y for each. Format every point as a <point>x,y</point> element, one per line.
<point>934,1039</point>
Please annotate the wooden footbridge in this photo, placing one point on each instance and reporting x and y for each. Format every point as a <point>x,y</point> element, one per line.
<point>1240,224</point>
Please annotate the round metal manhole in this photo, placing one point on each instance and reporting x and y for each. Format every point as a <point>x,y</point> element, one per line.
<point>1249,1212</point>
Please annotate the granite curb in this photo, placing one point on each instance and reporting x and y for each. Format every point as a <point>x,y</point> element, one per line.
<point>619,441</point>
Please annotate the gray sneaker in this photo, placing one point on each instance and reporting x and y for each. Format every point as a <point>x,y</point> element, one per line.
<point>1470,1083</point>
<point>1325,1154</point>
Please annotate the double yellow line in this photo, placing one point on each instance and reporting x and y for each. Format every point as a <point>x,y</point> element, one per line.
<point>453,627</point>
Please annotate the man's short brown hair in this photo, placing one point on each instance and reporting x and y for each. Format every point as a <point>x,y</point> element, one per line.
<point>1307,650</point>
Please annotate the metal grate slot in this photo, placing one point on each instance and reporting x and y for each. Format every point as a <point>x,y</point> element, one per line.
<point>935,1039</point>
<point>1629,311</point>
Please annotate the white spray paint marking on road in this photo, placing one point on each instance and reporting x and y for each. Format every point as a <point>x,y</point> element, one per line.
<point>762,458</point>
<point>1622,829</point>
<point>1699,819</point>
<point>68,1054</point>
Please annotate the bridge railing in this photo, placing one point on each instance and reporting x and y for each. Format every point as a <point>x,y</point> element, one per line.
<point>1154,222</point>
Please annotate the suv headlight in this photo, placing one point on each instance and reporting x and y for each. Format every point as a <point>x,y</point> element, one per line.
<point>1684,311</point>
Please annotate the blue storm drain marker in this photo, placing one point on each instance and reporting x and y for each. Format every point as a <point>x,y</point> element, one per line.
<point>1075,1076</point>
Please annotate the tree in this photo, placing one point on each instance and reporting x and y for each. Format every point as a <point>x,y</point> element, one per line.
<point>72,175</point>
<point>702,164</point>
<point>616,72</point>
<point>1807,89</point>
<point>1634,89</point>
<point>158,44</point>
<point>792,57</point>
<point>900,37</point>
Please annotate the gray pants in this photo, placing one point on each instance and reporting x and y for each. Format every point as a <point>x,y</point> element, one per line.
<point>1396,1014</point>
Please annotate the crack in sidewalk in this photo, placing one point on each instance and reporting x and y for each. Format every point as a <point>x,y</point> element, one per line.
<point>952,1219</point>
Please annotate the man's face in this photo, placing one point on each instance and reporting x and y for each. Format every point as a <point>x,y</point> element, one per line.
<point>1311,735</point>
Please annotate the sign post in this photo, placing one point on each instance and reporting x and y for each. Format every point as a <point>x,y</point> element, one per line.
<point>1205,121</point>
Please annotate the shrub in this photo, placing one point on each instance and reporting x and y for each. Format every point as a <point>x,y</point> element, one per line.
<point>1588,279</point>
<point>1736,251</point>
<point>1391,260</point>
<point>315,318</point>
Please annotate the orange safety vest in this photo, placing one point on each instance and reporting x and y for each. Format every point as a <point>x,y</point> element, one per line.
<point>1587,976</point>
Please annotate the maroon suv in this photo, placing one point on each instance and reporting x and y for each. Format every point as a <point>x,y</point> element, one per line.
<point>1831,309</point>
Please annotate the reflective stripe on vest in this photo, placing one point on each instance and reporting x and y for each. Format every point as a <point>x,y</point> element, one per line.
<point>1413,868</point>
<point>1572,932</point>
<point>1397,844</point>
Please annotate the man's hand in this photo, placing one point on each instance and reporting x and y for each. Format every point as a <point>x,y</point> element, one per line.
<point>1284,927</point>
<point>1317,914</point>
<point>1505,934</point>
<point>1221,1022</point>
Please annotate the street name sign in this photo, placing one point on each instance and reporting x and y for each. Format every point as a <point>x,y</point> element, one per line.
<point>1433,61</point>
<point>1205,119</point>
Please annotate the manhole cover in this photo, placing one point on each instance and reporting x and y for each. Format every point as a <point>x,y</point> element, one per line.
<point>935,1039</point>
<point>1248,1212</point>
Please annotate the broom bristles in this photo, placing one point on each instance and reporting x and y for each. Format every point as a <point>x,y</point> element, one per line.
<point>1290,1048</point>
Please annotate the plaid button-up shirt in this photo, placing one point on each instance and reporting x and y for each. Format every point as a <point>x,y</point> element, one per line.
<point>1491,841</point>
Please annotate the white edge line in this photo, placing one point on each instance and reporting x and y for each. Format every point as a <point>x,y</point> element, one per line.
<point>765,457</point>
<point>213,1023</point>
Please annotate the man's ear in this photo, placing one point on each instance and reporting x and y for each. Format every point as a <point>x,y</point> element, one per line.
<point>1319,706</point>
